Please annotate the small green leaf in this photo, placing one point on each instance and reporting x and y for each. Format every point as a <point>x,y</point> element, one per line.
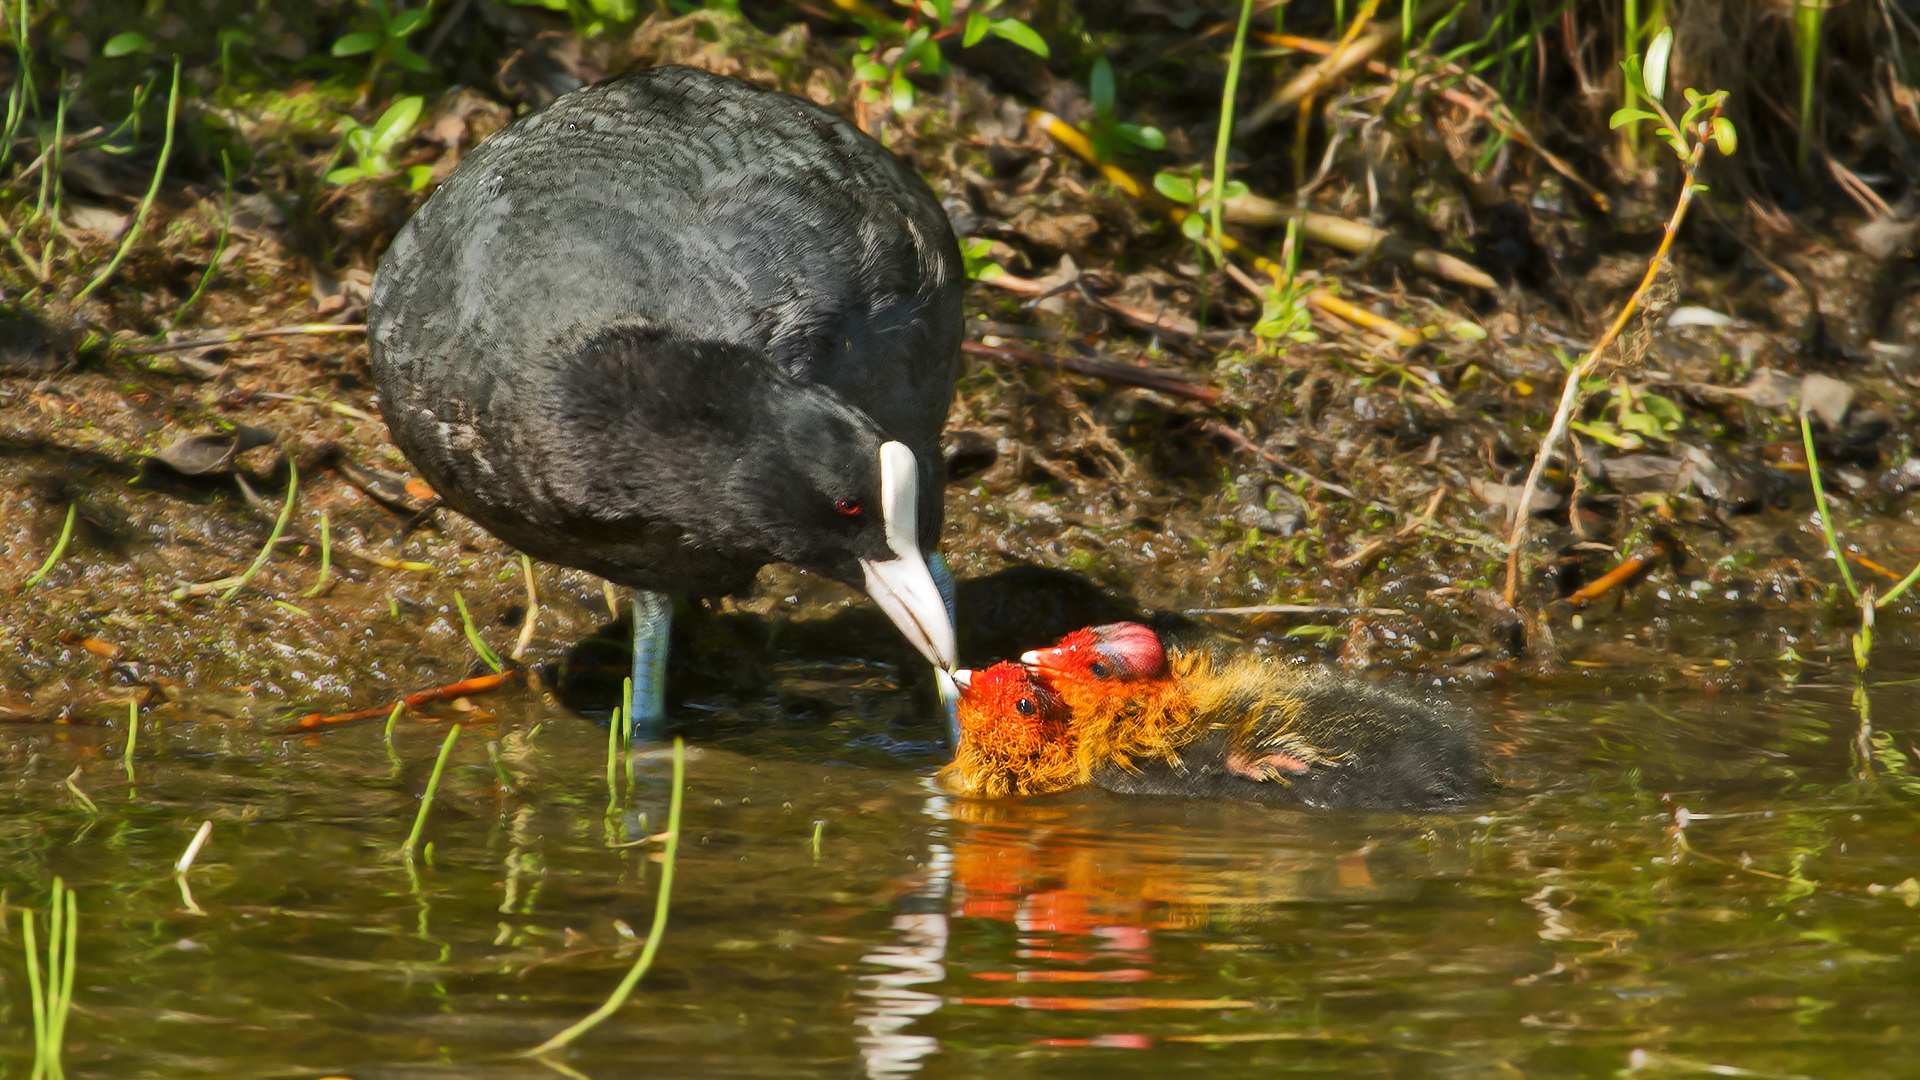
<point>408,21</point>
<point>345,175</point>
<point>1655,68</point>
<point>977,26</point>
<point>394,124</point>
<point>902,94</point>
<point>866,70</point>
<point>1193,227</point>
<point>1144,136</point>
<point>364,41</point>
<point>1235,189</point>
<point>1020,34</point>
<point>1100,87</point>
<point>1173,185</point>
<point>411,60</point>
<point>121,44</point>
<point>1629,116</point>
<point>419,176</point>
<point>1724,136</point>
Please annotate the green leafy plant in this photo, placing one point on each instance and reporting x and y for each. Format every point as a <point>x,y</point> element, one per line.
<point>1185,186</point>
<point>892,51</point>
<point>373,145</point>
<point>1106,131</point>
<point>1639,417</point>
<point>1700,126</point>
<point>387,39</point>
<point>591,18</point>
<point>1651,74</point>
<point>976,251</point>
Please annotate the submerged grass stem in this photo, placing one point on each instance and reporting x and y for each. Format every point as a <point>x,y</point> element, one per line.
<point>654,932</point>
<point>426,799</point>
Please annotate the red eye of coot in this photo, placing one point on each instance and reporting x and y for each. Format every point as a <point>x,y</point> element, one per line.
<point>849,507</point>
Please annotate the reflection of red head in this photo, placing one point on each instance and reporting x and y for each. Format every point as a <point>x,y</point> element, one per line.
<point>1117,651</point>
<point>1016,735</point>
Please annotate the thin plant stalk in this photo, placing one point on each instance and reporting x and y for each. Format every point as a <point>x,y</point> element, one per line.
<point>52,997</point>
<point>1808,17</point>
<point>1820,506</point>
<point>480,647</point>
<point>146,203</point>
<point>654,932</point>
<point>532,616</point>
<point>273,538</point>
<point>326,557</point>
<point>59,548</point>
<point>133,734</point>
<point>219,247</point>
<point>1570,394</point>
<point>1223,139</point>
<point>1905,583</point>
<point>426,799</point>
<point>614,724</point>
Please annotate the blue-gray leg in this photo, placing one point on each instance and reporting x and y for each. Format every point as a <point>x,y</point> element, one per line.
<point>949,693</point>
<point>652,624</point>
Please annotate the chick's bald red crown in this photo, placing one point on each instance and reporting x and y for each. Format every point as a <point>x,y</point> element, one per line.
<point>1122,651</point>
<point>1023,697</point>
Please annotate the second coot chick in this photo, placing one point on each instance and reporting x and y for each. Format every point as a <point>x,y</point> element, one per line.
<point>674,327</point>
<point>1110,707</point>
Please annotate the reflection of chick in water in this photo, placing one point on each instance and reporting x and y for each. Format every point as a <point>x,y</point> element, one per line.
<point>1113,872</point>
<point>1109,706</point>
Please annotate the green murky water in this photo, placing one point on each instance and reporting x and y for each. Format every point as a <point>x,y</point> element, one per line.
<point>1562,930</point>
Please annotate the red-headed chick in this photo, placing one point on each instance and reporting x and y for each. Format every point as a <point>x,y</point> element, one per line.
<point>1016,736</point>
<point>1147,720</point>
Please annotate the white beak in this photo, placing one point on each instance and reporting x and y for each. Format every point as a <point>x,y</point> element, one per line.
<point>902,585</point>
<point>1031,658</point>
<point>962,678</point>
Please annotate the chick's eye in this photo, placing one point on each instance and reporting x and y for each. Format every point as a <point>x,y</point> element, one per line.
<point>1099,670</point>
<point>1025,706</point>
<point>850,507</point>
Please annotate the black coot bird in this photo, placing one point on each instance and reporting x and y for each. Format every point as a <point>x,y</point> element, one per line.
<point>674,327</point>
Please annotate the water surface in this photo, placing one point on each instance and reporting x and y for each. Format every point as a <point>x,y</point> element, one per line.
<point>1566,928</point>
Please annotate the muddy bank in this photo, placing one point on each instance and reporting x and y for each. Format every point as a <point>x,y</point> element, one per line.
<point>1355,473</point>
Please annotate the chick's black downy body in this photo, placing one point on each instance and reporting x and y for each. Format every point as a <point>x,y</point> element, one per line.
<point>1345,744</point>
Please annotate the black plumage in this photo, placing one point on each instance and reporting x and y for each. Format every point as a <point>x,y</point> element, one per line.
<point>662,328</point>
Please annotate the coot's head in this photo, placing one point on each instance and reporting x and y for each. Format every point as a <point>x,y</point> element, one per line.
<point>1016,735</point>
<point>752,466</point>
<point>1116,652</point>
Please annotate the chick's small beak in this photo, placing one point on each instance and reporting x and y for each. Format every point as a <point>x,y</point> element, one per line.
<point>903,586</point>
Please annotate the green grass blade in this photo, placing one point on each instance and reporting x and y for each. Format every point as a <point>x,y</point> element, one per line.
<point>59,549</point>
<point>654,933</point>
<point>426,799</point>
<point>273,538</point>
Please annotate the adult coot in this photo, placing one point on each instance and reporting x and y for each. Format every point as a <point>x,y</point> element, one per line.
<point>674,327</point>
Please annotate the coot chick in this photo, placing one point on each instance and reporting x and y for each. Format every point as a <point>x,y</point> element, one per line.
<point>1111,709</point>
<point>674,327</point>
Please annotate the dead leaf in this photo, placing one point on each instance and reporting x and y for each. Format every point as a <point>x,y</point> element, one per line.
<point>197,455</point>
